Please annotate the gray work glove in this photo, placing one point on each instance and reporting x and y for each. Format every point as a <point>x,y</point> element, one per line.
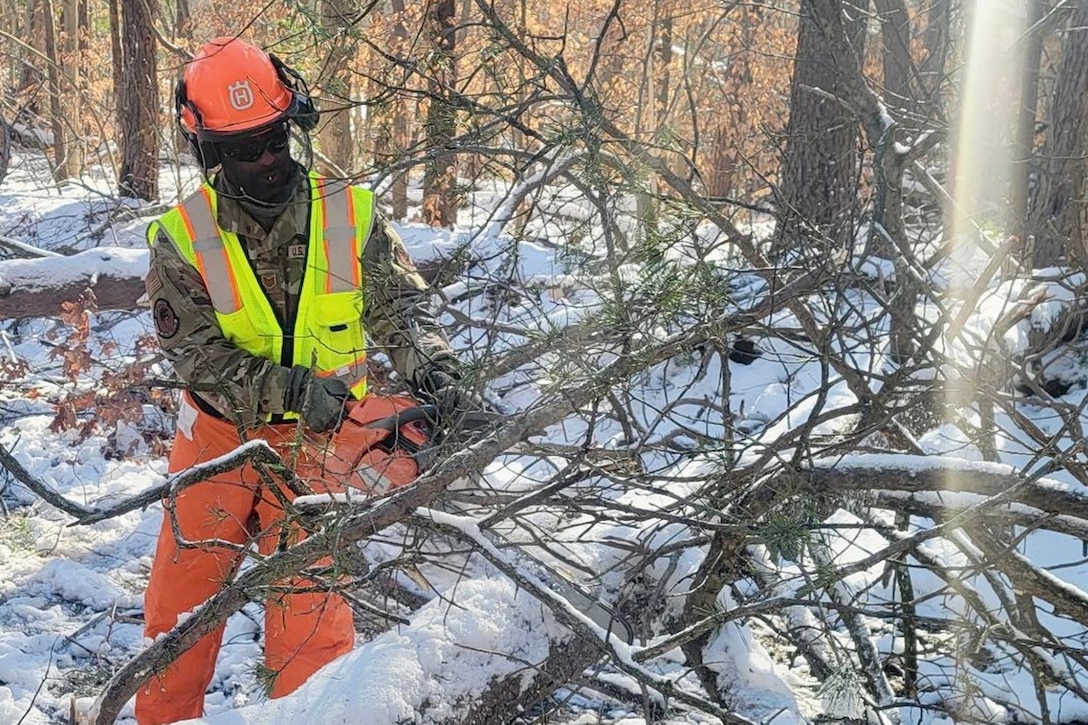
<point>459,407</point>
<point>320,401</point>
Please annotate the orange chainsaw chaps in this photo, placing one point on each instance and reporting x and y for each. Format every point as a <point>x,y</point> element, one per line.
<point>372,459</point>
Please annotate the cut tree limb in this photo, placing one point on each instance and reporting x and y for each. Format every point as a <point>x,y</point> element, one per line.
<point>40,287</point>
<point>256,451</point>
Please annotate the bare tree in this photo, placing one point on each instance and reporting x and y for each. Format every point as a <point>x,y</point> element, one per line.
<point>138,101</point>
<point>182,19</point>
<point>117,58</point>
<point>30,74</point>
<point>817,194</point>
<point>61,137</point>
<point>5,148</point>
<point>1024,140</point>
<point>338,19</point>
<point>73,13</point>
<point>895,35</point>
<point>936,41</point>
<point>1057,216</point>
<point>395,114</point>
<point>440,194</point>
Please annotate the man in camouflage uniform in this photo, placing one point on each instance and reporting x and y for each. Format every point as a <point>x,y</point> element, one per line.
<point>262,284</point>
<point>243,387</point>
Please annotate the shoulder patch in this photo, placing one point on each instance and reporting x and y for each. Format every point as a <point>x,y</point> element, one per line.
<point>166,320</point>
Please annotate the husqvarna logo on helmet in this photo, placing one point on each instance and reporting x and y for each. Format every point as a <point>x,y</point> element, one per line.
<point>240,94</point>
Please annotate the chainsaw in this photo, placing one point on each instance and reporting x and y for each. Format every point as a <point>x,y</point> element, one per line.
<point>386,442</point>
<point>380,445</point>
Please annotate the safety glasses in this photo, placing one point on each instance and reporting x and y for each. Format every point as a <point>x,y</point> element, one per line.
<point>251,148</point>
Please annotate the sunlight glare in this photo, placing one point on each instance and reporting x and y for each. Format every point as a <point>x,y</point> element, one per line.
<point>981,166</point>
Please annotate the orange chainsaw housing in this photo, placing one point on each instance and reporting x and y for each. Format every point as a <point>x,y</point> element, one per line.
<point>373,448</point>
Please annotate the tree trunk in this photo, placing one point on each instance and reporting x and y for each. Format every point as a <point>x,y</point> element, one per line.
<point>394,142</point>
<point>818,189</point>
<point>399,188</point>
<point>440,177</point>
<point>83,45</point>
<point>401,121</point>
<point>139,99</point>
<point>61,170</point>
<point>34,33</point>
<point>663,62</point>
<point>895,38</point>
<point>723,155</point>
<point>653,94</point>
<point>336,18</point>
<point>1057,215</point>
<point>720,164</point>
<point>73,87</point>
<point>118,58</point>
<point>182,20</point>
<point>937,38</point>
<point>1023,143</point>
<point>5,147</point>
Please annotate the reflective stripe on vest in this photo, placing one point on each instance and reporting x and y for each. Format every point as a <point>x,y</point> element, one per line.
<point>328,332</point>
<point>211,252</point>
<point>338,221</point>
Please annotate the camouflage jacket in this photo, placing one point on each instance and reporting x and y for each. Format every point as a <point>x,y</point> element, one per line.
<point>244,387</point>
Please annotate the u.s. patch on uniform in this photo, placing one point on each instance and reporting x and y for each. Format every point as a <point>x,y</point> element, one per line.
<point>166,320</point>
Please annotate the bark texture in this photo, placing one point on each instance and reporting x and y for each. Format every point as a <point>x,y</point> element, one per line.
<point>1058,214</point>
<point>337,18</point>
<point>440,178</point>
<point>138,106</point>
<point>818,190</point>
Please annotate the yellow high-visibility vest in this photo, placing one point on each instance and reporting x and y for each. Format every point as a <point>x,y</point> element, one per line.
<point>328,331</point>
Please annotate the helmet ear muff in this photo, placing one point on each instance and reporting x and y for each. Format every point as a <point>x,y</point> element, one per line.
<point>187,117</point>
<point>206,153</point>
<point>303,112</point>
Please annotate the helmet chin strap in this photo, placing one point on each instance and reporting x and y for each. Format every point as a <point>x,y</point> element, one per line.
<point>308,145</point>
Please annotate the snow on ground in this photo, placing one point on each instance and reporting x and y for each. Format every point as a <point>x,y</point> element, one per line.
<point>452,650</point>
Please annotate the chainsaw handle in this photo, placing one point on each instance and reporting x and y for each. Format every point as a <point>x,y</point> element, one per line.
<point>409,415</point>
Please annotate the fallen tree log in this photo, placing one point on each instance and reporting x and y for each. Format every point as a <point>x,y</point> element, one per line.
<point>40,287</point>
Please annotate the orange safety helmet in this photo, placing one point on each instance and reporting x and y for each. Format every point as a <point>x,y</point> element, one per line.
<point>231,87</point>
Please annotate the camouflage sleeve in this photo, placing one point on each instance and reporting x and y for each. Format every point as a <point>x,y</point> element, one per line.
<point>241,386</point>
<point>396,315</point>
